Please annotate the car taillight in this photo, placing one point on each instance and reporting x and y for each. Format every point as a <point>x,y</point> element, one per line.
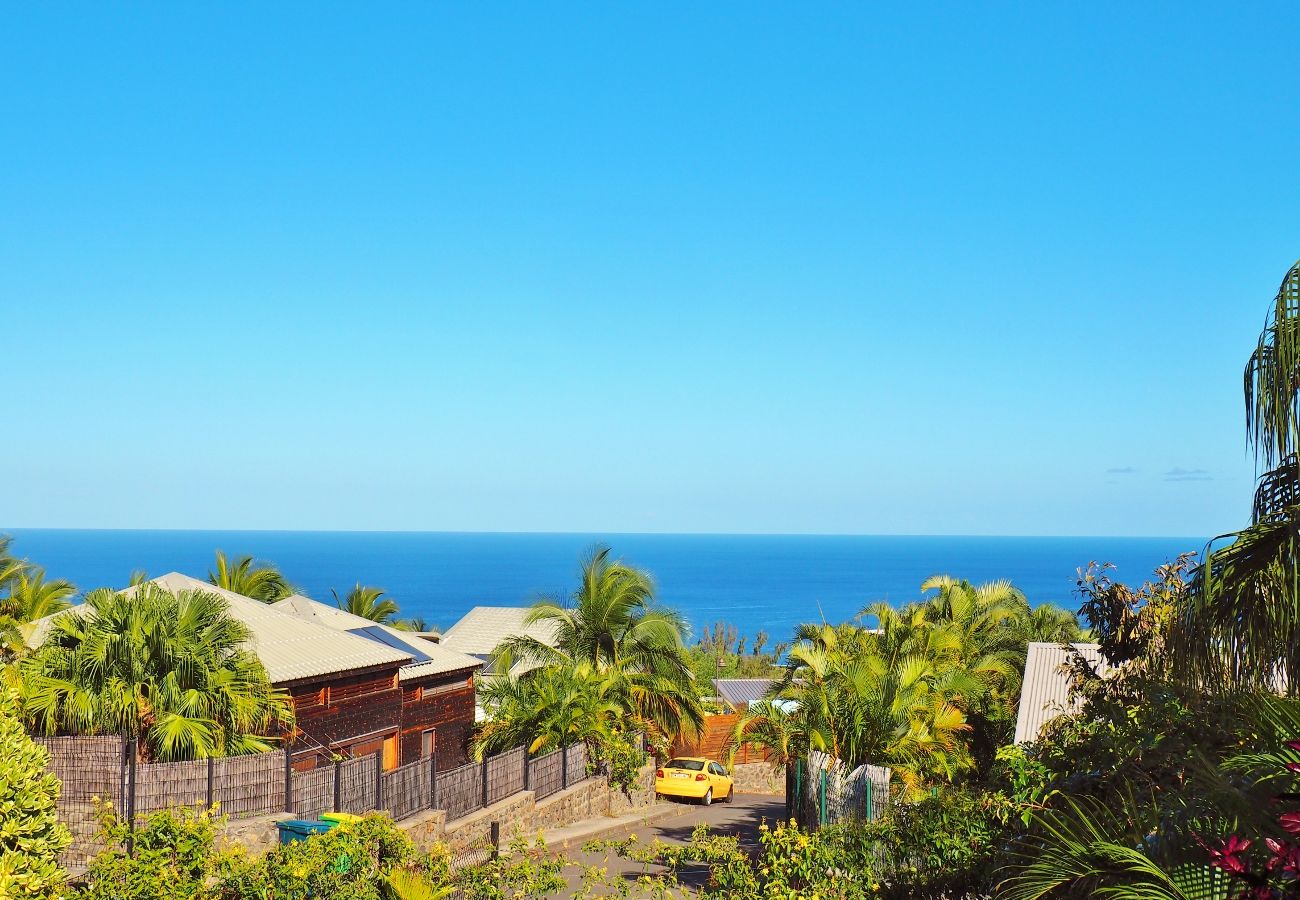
<point>659,773</point>
<point>701,777</point>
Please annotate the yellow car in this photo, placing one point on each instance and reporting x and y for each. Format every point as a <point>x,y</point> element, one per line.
<point>696,778</point>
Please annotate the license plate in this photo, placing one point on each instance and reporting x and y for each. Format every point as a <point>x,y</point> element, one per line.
<point>680,775</point>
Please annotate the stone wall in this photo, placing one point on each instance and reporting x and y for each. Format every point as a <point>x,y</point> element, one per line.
<point>521,815</point>
<point>759,778</point>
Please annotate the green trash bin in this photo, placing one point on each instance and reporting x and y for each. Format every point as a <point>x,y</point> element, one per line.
<point>300,829</point>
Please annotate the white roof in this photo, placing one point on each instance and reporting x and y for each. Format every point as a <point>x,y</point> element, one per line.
<point>1045,690</point>
<point>431,658</point>
<point>483,627</point>
<point>289,647</point>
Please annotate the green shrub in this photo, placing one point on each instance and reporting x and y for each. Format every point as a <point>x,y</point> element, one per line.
<point>523,872</point>
<point>947,845</point>
<point>171,855</point>
<point>356,861</point>
<point>31,838</point>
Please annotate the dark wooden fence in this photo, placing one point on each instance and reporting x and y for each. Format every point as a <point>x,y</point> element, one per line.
<point>108,769</point>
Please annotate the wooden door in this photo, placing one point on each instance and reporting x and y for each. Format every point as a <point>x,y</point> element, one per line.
<point>390,752</point>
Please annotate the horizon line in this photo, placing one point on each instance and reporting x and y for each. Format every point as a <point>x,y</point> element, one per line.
<point>597,533</point>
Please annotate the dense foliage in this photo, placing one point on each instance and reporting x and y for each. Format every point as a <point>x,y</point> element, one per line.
<point>31,838</point>
<point>929,691</point>
<point>25,596</point>
<point>176,855</point>
<point>1240,625</point>
<point>722,652</point>
<point>169,670</point>
<point>616,665</point>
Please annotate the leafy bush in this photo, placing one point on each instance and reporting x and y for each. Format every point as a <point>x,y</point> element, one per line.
<point>170,855</point>
<point>947,845</point>
<point>367,860</point>
<point>31,838</point>
<point>833,864</point>
<point>620,758</point>
<point>524,872</point>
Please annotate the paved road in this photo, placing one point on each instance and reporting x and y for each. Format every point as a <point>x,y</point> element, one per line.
<point>740,819</point>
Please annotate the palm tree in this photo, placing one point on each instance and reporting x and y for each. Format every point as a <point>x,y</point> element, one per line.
<point>31,597</point>
<point>368,603</point>
<point>884,697</point>
<point>245,575</point>
<point>170,670</point>
<point>10,565</point>
<point>548,709</point>
<point>613,626</point>
<point>1241,624</point>
<point>25,596</point>
<point>1049,623</point>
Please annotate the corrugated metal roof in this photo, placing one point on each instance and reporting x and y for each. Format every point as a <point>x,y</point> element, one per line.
<point>427,657</point>
<point>290,648</point>
<point>742,691</point>
<point>483,627</point>
<point>1045,690</point>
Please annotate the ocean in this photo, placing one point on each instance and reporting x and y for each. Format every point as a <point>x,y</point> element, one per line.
<point>757,582</point>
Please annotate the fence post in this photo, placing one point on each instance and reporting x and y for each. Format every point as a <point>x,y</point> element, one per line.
<point>338,785</point>
<point>379,780</point>
<point>288,781</point>
<point>496,840</point>
<point>528,777</point>
<point>132,750</point>
<point>433,777</point>
<point>484,764</point>
<point>871,790</point>
<point>564,766</point>
<point>821,819</point>
<point>212,774</point>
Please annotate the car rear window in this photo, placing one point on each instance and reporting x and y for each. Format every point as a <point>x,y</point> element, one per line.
<point>693,765</point>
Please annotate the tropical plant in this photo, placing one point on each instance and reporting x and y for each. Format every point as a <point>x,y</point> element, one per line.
<point>415,623</point>
<point>31,597</point>
<point>31,837</point>
<point>251,578</point>
<point>25,596</point>
<point>370,859</point>
<point>546,709</point>
<point>1048,623</point>
<point>1241,624</point>
<point>880,697</point>
<point>167,854</point>
<point>613,626</point>
<point>368,603</point>
<point>170,670</point>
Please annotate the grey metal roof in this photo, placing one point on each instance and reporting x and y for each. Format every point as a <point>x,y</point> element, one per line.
<point>1045,690</point>
<point>483,627</point>
<point>742,691</point>
<point>427,658</point>
<point>289,647</point>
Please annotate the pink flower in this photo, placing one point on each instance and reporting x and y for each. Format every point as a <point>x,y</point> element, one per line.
<point>1290,822</point>
<point>1227,857</point>
<point>1286,857</point>
<point>1293,745</point>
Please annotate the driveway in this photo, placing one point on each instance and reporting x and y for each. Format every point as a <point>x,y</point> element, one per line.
<point>740,819</point>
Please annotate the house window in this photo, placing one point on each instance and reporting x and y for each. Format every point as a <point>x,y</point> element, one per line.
<point>426,744</point>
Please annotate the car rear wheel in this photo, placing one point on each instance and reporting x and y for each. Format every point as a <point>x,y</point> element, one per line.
<point>707,798</point>
<point>731,795</point>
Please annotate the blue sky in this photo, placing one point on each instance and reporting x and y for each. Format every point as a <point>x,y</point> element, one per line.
<point>744,267</point>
